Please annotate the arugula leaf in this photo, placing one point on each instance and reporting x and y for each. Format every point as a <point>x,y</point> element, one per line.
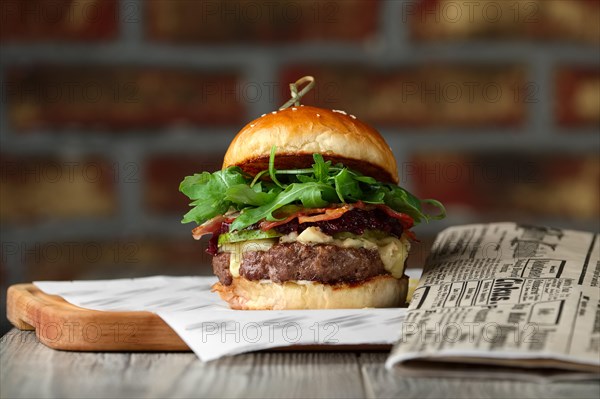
<point>204,184</point>
<point>363,179</point>
<point>311,197</point>
<point>206,192</point>
<point>305,179</point>
<point>438,205</point>
<point>191,186</point>
<point>258,176</point>
<point>321,168</point>
<point>272,173</point>
<point>401,200</point>
<point>293,192</point>
<point>257,187</point>
<point>374,197</point>
<point>215,193</point>
<point>346,186</point>
<point>243,194</point>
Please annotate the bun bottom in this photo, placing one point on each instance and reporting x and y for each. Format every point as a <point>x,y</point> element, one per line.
<point>377,292</point>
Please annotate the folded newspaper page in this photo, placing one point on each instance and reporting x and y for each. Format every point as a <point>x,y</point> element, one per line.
<point>506,294</point>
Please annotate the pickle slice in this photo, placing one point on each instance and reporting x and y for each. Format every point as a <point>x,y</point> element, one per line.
<point>246,235</point>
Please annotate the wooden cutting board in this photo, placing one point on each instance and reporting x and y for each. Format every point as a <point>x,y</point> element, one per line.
<point>61,325</point>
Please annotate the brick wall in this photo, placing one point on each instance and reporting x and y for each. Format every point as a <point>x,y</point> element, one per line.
<point>491,106</point>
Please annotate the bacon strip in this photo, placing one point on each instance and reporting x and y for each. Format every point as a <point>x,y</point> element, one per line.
<point>264,226</point>
<point>209,227</point>
<point>411,235</point>
<point>407,221</point>
<point>334,213</point>
<point>329,214</point>
<point>213,225</point>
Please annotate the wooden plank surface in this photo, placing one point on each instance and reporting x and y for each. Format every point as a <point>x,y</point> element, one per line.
<point>475,383</point>
<point>28,369</point>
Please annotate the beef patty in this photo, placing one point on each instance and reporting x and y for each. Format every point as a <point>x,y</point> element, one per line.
<point>327,264</point>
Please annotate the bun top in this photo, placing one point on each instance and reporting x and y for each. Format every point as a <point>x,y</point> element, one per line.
<point>300,131</point>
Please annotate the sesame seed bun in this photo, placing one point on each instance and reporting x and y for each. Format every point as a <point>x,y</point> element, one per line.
<point>298,132</point>
<point>378,292</point>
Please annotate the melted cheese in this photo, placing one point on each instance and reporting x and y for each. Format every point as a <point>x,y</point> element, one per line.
<point>236,250</point>
<point>314,235</point>
<point>392,251</point>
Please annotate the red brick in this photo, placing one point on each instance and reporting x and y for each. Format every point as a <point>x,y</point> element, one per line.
<point>165,172</point>
<point>112,258</point>
<point>119,97</point>
<point>578,96</point>
<point>509,185</point>
<point>72,20</point>
<point>572,20</point>
<point>436,95</point>
<point>259,21</point>
<point>46,188</point>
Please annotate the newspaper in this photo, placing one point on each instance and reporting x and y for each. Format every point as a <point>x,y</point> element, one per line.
<point>506,294</point>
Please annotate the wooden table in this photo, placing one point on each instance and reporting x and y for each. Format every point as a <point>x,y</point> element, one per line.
<point>31,370</point>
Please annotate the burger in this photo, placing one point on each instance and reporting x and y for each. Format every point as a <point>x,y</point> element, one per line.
<point>306,213</point>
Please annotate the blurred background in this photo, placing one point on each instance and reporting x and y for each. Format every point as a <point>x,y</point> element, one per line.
<point>492,107</point>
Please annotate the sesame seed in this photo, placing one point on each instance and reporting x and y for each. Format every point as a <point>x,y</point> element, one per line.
<point>352,116</point>
<point>274,112</point>
<point>302,105</point>
<point>318,115</point>
<point>262,115</point>
<point>251,125</point>
<point>339,111</point>
<point>294,109</point>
